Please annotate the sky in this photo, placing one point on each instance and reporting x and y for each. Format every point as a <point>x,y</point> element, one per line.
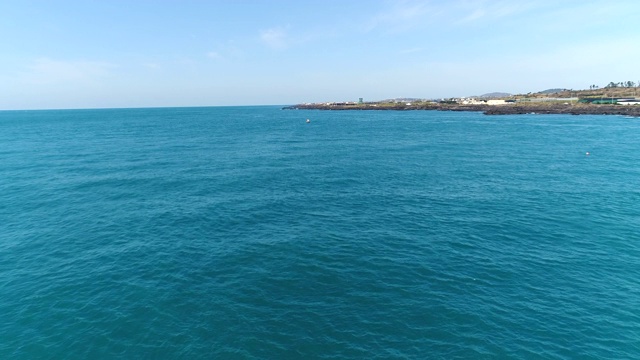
<point>137,53</point>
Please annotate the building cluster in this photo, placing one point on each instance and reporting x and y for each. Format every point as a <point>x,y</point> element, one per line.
<point>568,100</point>
<point>474,101</point>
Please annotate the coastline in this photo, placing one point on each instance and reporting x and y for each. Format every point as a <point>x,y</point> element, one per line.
<point>507,109</point>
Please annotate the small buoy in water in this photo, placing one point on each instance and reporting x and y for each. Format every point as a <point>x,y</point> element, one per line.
<point>308,121</point>
<point>588,153</point>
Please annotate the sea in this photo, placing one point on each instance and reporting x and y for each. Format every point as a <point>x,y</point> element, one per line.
<point>250,233</point>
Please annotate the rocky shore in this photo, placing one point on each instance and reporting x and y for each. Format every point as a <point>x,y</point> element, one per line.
<point>508,109</point>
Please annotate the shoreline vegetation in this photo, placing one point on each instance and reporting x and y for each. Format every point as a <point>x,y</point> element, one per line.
<point>595,101</point>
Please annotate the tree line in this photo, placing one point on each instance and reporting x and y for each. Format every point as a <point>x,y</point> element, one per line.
<point>627,84</point>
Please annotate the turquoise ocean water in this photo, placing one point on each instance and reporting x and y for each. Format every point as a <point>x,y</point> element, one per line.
<point>245,233</point>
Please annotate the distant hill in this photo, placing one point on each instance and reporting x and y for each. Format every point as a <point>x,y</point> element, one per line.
<point>552,91</point>
<point>495,95</point>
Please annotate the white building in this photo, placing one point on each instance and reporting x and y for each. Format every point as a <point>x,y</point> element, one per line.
<point>496,102</point>
<point>629,102</point>
<point>472,102</point>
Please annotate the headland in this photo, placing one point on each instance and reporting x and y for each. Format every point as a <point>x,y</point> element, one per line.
<point>595,101</point>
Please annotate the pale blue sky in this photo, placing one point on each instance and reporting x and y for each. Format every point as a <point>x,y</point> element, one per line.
<point>134,53</point>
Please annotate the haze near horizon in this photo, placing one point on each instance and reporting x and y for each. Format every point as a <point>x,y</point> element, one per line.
<point>79,54</point>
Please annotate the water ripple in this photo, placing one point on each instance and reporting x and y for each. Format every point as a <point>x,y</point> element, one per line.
<point>246,233</point>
